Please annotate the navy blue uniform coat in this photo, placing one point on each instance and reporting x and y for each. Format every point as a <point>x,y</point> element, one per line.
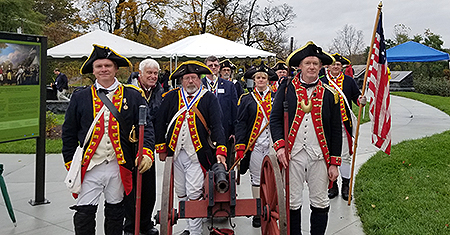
<point>209,108</point>
<point>330,113</point>
<point>79,116</point>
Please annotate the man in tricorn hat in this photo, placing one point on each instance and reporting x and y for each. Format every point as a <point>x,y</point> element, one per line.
<point>186,117</point>
<point>348,92</point>
<point>282,71</point>
<point>227,69</point>
<point>109,156</point>
<point>314,138</point>
<point>253,117</point>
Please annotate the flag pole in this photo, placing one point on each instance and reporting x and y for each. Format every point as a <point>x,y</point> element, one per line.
<point>380,5</point>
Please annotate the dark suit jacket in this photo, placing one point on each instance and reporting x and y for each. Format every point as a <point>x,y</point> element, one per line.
<point>228,103</point>
<point>61,82</point>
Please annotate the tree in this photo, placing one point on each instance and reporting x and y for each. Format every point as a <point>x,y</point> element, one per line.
<point>349,42</point>
<point>273,19</point>
<point>136,20</point>
<point>62,21</point>
<point>401,34</point>
<point>227,21</point>
<point>238,21</point>
<point>433,40</point>
<point>219,17</point>
<point>15,14</point>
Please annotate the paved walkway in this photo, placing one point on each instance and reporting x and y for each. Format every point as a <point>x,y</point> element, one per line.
<point>410,120</point>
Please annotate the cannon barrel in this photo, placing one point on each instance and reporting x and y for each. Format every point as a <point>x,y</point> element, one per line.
<point>220,177</point>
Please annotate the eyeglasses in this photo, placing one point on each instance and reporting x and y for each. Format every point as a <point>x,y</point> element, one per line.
<point>188,78</point>
<point>214,65</point>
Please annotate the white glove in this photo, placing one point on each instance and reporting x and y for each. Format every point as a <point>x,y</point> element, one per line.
<point>146,163</point>
<point>362,100</point>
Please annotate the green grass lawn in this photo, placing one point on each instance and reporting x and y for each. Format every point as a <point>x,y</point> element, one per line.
<point>441,103</point>
<point>60,119</point>
<point>409,191</point>
<point>29,145</point>
<point>364,113</point>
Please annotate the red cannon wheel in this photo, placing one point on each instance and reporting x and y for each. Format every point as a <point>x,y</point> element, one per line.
<point>273,219</point>
<point>167,215</point>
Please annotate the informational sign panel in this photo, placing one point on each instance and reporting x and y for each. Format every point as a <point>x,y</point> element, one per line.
<point>20,80</point>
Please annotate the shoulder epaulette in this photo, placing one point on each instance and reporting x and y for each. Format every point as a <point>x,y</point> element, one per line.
<point>135,87</point>
<point>239,101</point>
<point>333,91</point>
<point>81,88</point>
<point>176,88</point>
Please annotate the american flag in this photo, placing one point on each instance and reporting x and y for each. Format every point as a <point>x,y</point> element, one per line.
<point>378,93</point>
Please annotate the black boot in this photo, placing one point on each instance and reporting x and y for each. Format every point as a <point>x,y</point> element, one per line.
<point>345,188</point>
<point>334,191</point>
<point>256,221</point>
<point>319,220</point>
<point>114,214</point>
<point>84,219</point>
<point>295,221</point>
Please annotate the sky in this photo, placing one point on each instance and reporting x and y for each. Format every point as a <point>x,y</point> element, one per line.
<point>320,20</point>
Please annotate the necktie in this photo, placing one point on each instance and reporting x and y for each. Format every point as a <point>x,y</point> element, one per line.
<point>189,98</point>
<point>213,89</point>
<point>103,90</point>
<point>261,93</point>
<point>308,85</point>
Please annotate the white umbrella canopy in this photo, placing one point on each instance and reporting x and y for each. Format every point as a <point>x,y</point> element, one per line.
<point>82,47</point>
<point>207,44</point>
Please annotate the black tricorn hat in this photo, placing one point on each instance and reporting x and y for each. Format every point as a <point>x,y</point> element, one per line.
<point>280,65</point>
<point>227,63</point>
<point>341,59</point>
<point>310,49</point>
<point>103,52</point>
<point>261,68</point>
<point>188,67</point>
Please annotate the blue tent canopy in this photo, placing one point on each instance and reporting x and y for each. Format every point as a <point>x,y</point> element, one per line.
<point>414,52</point>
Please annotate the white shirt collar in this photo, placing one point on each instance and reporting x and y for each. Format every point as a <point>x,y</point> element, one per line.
<point>110,88</point>
<point>214,79</point>
<point>264,92</point>
<point>303,81</point>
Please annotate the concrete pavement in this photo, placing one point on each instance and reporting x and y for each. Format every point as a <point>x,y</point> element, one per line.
<point>410,120</point>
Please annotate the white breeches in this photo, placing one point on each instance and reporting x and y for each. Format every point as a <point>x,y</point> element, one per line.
<point>256,159</point>
<point>303,168</point>
<point>345,155</point>
<point>188,182</point>
<point>105,178</point>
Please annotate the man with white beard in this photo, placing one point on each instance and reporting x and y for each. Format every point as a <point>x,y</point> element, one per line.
<point>187,118</point>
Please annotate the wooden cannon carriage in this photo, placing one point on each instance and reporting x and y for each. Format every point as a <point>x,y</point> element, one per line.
<point>220,199</point>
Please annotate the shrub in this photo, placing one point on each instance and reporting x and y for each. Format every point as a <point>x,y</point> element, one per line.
<point>50,121</point>
<point>432,86</point>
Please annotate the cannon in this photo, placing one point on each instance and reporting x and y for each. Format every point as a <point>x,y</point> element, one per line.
<point>220,199</point>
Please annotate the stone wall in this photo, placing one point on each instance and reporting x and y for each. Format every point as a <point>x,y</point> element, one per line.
<point>57,106</point>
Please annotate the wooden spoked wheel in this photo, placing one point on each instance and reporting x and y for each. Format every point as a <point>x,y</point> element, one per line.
<point>273,218</point>
<point>167,216</point>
